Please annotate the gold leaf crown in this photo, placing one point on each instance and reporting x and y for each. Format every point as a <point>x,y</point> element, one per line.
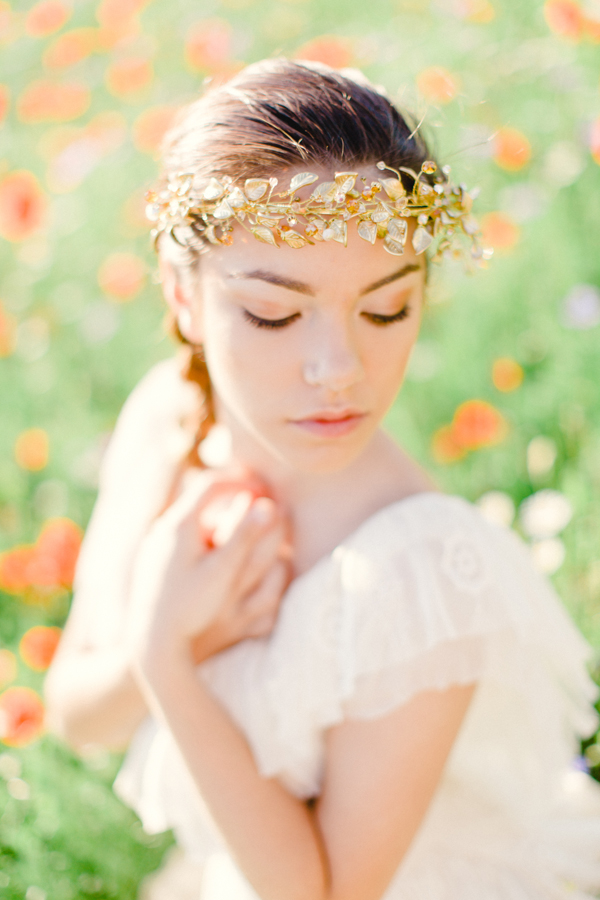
<point>201,212</point>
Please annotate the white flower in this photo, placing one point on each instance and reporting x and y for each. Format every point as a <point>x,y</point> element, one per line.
<point>541,456</point>
<point>545,514</point>
<point>548,555</point>
<point>581,308</point>
<point>497,507</point>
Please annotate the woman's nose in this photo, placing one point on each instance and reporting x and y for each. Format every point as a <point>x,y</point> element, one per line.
<point>332,360</point>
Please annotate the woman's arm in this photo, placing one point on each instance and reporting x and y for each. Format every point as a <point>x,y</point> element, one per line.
<point>382,771</point>
<point>379,780</point>
<point>92,697</point>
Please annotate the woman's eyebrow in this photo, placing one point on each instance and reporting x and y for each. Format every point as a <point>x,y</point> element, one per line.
<point>302,288</point>
<point>405,270</point>
<point>273,278</point>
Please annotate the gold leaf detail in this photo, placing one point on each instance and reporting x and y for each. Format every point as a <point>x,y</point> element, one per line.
<point>345,181</point>
<point>264,234</point>
<point>223,210</point>
<point>236,198</point>
<point>269,221</point>
<point>421,240</point>
<point>302,179</point>
<point>255,188</point>
<point>293,239</point>
<point>396,248</point>
<point>470,225</point>
<point>213,190</point>
<point>336,231</point>
<point>152,212</point>
<point>367,231</point>
<point>381,213</point>
<point>393,188</point>
<point>315,229</point>
<point>325,191</point>
<point>397,229</point>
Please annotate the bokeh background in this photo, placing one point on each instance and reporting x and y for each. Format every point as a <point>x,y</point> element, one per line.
<point>502,397</point>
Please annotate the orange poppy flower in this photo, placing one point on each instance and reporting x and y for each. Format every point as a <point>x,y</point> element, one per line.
<point>70,48</point>
<point>38,646</point>
<point>57,549</point>
<point>151,126</point>
<point>208,45</point>
<point>122,275</point>
<point>477,424</point>
<point>333,51</point>
<point>48,565</point>
<point>8,667</point>
<point>46,101</point>
<point>8,332</point>
<point>128,76</point>
<point>595,140</point>
<point>565,18</point>
<point>23,205</point>
<point>512,150</point>
<point>438,85</point>
<point>444,447</point>
<point>112,13</point>
<point>507,374</point>
<point>46,17</point>
<point>499,231</point>
<point>14,568</point>
<point>480,11</point>
<point>4,101</point>
<point>32,449</point>
<point>21,716</point>
<point>591,29</point>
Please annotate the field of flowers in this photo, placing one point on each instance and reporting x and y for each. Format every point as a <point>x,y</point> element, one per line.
<point>501,401</point>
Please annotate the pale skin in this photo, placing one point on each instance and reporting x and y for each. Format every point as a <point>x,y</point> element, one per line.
<point>351,317</point>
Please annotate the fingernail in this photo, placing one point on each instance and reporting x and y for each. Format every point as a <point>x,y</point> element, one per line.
<point>262,511</point>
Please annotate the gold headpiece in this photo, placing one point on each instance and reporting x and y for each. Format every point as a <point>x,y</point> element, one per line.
<point>195,212</point>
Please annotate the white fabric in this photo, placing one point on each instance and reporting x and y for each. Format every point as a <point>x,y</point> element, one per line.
<point>424,594</point>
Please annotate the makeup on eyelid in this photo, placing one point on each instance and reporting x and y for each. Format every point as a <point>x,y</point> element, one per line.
<point>278,321</point>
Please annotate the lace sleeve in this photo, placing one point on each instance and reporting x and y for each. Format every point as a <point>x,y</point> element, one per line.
<point>445,598</point>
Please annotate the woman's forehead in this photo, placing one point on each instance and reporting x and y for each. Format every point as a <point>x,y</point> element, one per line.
<point>359,266</point>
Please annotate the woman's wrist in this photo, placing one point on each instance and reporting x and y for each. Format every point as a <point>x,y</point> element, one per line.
<point>162,655</point>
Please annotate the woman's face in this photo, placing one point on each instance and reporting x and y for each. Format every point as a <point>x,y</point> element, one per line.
<point>306,349</point>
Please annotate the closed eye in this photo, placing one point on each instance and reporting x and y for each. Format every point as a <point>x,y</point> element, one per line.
<point>380,319</point>
<point>269,323</point>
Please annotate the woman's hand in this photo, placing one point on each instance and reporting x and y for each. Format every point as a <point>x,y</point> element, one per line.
<point>188,598</point>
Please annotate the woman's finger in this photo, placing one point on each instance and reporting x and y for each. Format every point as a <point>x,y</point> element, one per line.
<point>265,553</point>
<point>262,605</point>
<point>261,516</point>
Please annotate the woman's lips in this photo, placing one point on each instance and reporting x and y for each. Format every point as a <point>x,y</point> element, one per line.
<point>330,425</point>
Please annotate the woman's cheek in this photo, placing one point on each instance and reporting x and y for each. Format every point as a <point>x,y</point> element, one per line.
<point>241,369</point>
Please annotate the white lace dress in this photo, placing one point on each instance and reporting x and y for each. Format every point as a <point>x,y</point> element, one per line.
<point>424,594</point>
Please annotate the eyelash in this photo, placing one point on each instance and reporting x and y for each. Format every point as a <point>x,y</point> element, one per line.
<point>269,323</point>
<point>375,318</point>
<point>379,319</point>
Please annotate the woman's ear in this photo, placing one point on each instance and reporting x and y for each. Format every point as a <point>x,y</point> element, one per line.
<point>181,302</point>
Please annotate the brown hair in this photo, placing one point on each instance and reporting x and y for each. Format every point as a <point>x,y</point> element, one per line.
<point>274,116</point>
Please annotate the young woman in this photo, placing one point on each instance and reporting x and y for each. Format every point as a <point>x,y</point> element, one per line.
<point>337,683</point>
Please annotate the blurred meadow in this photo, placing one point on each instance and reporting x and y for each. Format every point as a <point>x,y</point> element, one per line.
<point>502,399</point>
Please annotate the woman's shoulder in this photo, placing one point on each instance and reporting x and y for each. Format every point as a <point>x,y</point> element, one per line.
<point>424,516</point>
<point>151,420</point>
<point>436,555</point>
<point>162,389</point>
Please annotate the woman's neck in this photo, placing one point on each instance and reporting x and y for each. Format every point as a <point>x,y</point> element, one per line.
<point>325,507</point>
